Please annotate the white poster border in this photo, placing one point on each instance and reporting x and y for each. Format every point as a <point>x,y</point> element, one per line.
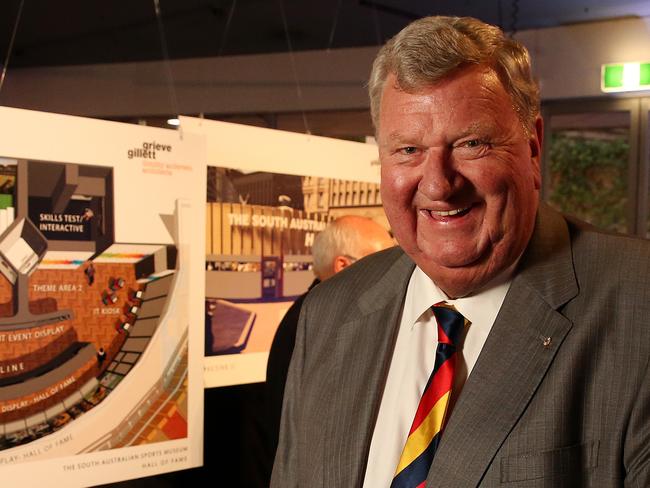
<point>169,182</point>
<point>250,149</point>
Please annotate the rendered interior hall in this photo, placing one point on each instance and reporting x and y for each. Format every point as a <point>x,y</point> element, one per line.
<point>166,170</point>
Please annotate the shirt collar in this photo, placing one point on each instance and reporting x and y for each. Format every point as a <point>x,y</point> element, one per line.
<point>423,293</point>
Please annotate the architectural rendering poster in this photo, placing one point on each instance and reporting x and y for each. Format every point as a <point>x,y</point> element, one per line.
<point>269,193</point>
<point>100,277</point>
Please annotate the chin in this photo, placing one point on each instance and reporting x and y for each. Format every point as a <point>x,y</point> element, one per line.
<point>459,276</point>
<point>451,257</point>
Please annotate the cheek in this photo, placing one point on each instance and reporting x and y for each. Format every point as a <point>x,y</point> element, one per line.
<point>393,207</point>
<point>397,188</point>
<point>509,198</point>
<point>500,181</point>
<point>397,199</point>
<point>490,185</point>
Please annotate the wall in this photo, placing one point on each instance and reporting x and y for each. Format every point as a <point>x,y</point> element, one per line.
<point>567,61</point>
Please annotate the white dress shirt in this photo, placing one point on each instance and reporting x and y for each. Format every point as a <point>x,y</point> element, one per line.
<point>413,360</point>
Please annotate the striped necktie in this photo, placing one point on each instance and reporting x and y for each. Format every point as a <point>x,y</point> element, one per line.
<point>432,413</point>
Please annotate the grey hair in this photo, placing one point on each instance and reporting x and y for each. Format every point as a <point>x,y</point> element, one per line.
<point>432,48</point>
<point>337,239</point>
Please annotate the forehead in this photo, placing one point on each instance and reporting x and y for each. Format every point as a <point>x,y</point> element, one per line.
<point>472,96</point>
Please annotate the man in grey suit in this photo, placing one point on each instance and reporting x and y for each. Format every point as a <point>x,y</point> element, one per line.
<point>552,387</point>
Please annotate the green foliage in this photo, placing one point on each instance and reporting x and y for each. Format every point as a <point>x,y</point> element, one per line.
<point>589,179</point>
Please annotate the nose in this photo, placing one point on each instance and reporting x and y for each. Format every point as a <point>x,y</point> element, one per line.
<point>439,178</point>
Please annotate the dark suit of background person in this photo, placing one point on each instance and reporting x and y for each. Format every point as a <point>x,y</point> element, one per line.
<point>278,366</point>
<point>560,393</point>
<point>343,241</point>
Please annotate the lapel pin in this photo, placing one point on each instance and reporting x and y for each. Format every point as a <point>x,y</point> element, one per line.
<point>546,341</point>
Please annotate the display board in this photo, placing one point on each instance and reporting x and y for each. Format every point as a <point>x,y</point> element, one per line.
<point>101,275</point>
<point>269,192</point>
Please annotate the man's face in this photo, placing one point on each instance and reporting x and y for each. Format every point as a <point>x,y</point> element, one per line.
<point>459,177</point>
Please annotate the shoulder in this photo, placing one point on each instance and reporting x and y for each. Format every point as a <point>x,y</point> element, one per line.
<point>612,259</point>
<point>587,273</point>
<point>287,329</point>
<point>613,277</point>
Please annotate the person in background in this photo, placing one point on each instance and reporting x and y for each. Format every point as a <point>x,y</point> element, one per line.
<point>101,357</point>
<point>340,244</point>
<point>89,271</point>
<point>502,343</point>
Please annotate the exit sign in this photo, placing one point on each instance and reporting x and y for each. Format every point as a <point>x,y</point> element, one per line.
<point>620,77</point>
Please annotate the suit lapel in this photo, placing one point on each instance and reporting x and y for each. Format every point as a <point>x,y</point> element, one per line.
<point>361,367</point>
<point>514,359</point>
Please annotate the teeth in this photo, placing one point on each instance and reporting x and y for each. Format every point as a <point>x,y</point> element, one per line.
<point>447,213</point>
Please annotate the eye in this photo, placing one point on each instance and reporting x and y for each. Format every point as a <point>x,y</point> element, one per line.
<point>472,143</point>
<point>472,148</point>
<point>409,150</point>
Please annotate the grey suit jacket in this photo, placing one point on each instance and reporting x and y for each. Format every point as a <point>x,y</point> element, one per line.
<point>574,412</point>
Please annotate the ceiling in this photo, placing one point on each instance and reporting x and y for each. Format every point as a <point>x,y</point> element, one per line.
<point>67,32</point>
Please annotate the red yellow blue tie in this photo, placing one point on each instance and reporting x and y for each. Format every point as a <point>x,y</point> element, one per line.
<point>432,411</point>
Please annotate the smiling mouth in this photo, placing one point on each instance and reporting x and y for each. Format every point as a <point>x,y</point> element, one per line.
<point>446,214</point>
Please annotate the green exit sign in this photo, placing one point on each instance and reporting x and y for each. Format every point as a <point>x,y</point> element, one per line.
<point>619,77</point>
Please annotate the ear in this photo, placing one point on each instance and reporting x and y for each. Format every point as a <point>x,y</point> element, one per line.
<point>536,140</point>
<point>340,263</point>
